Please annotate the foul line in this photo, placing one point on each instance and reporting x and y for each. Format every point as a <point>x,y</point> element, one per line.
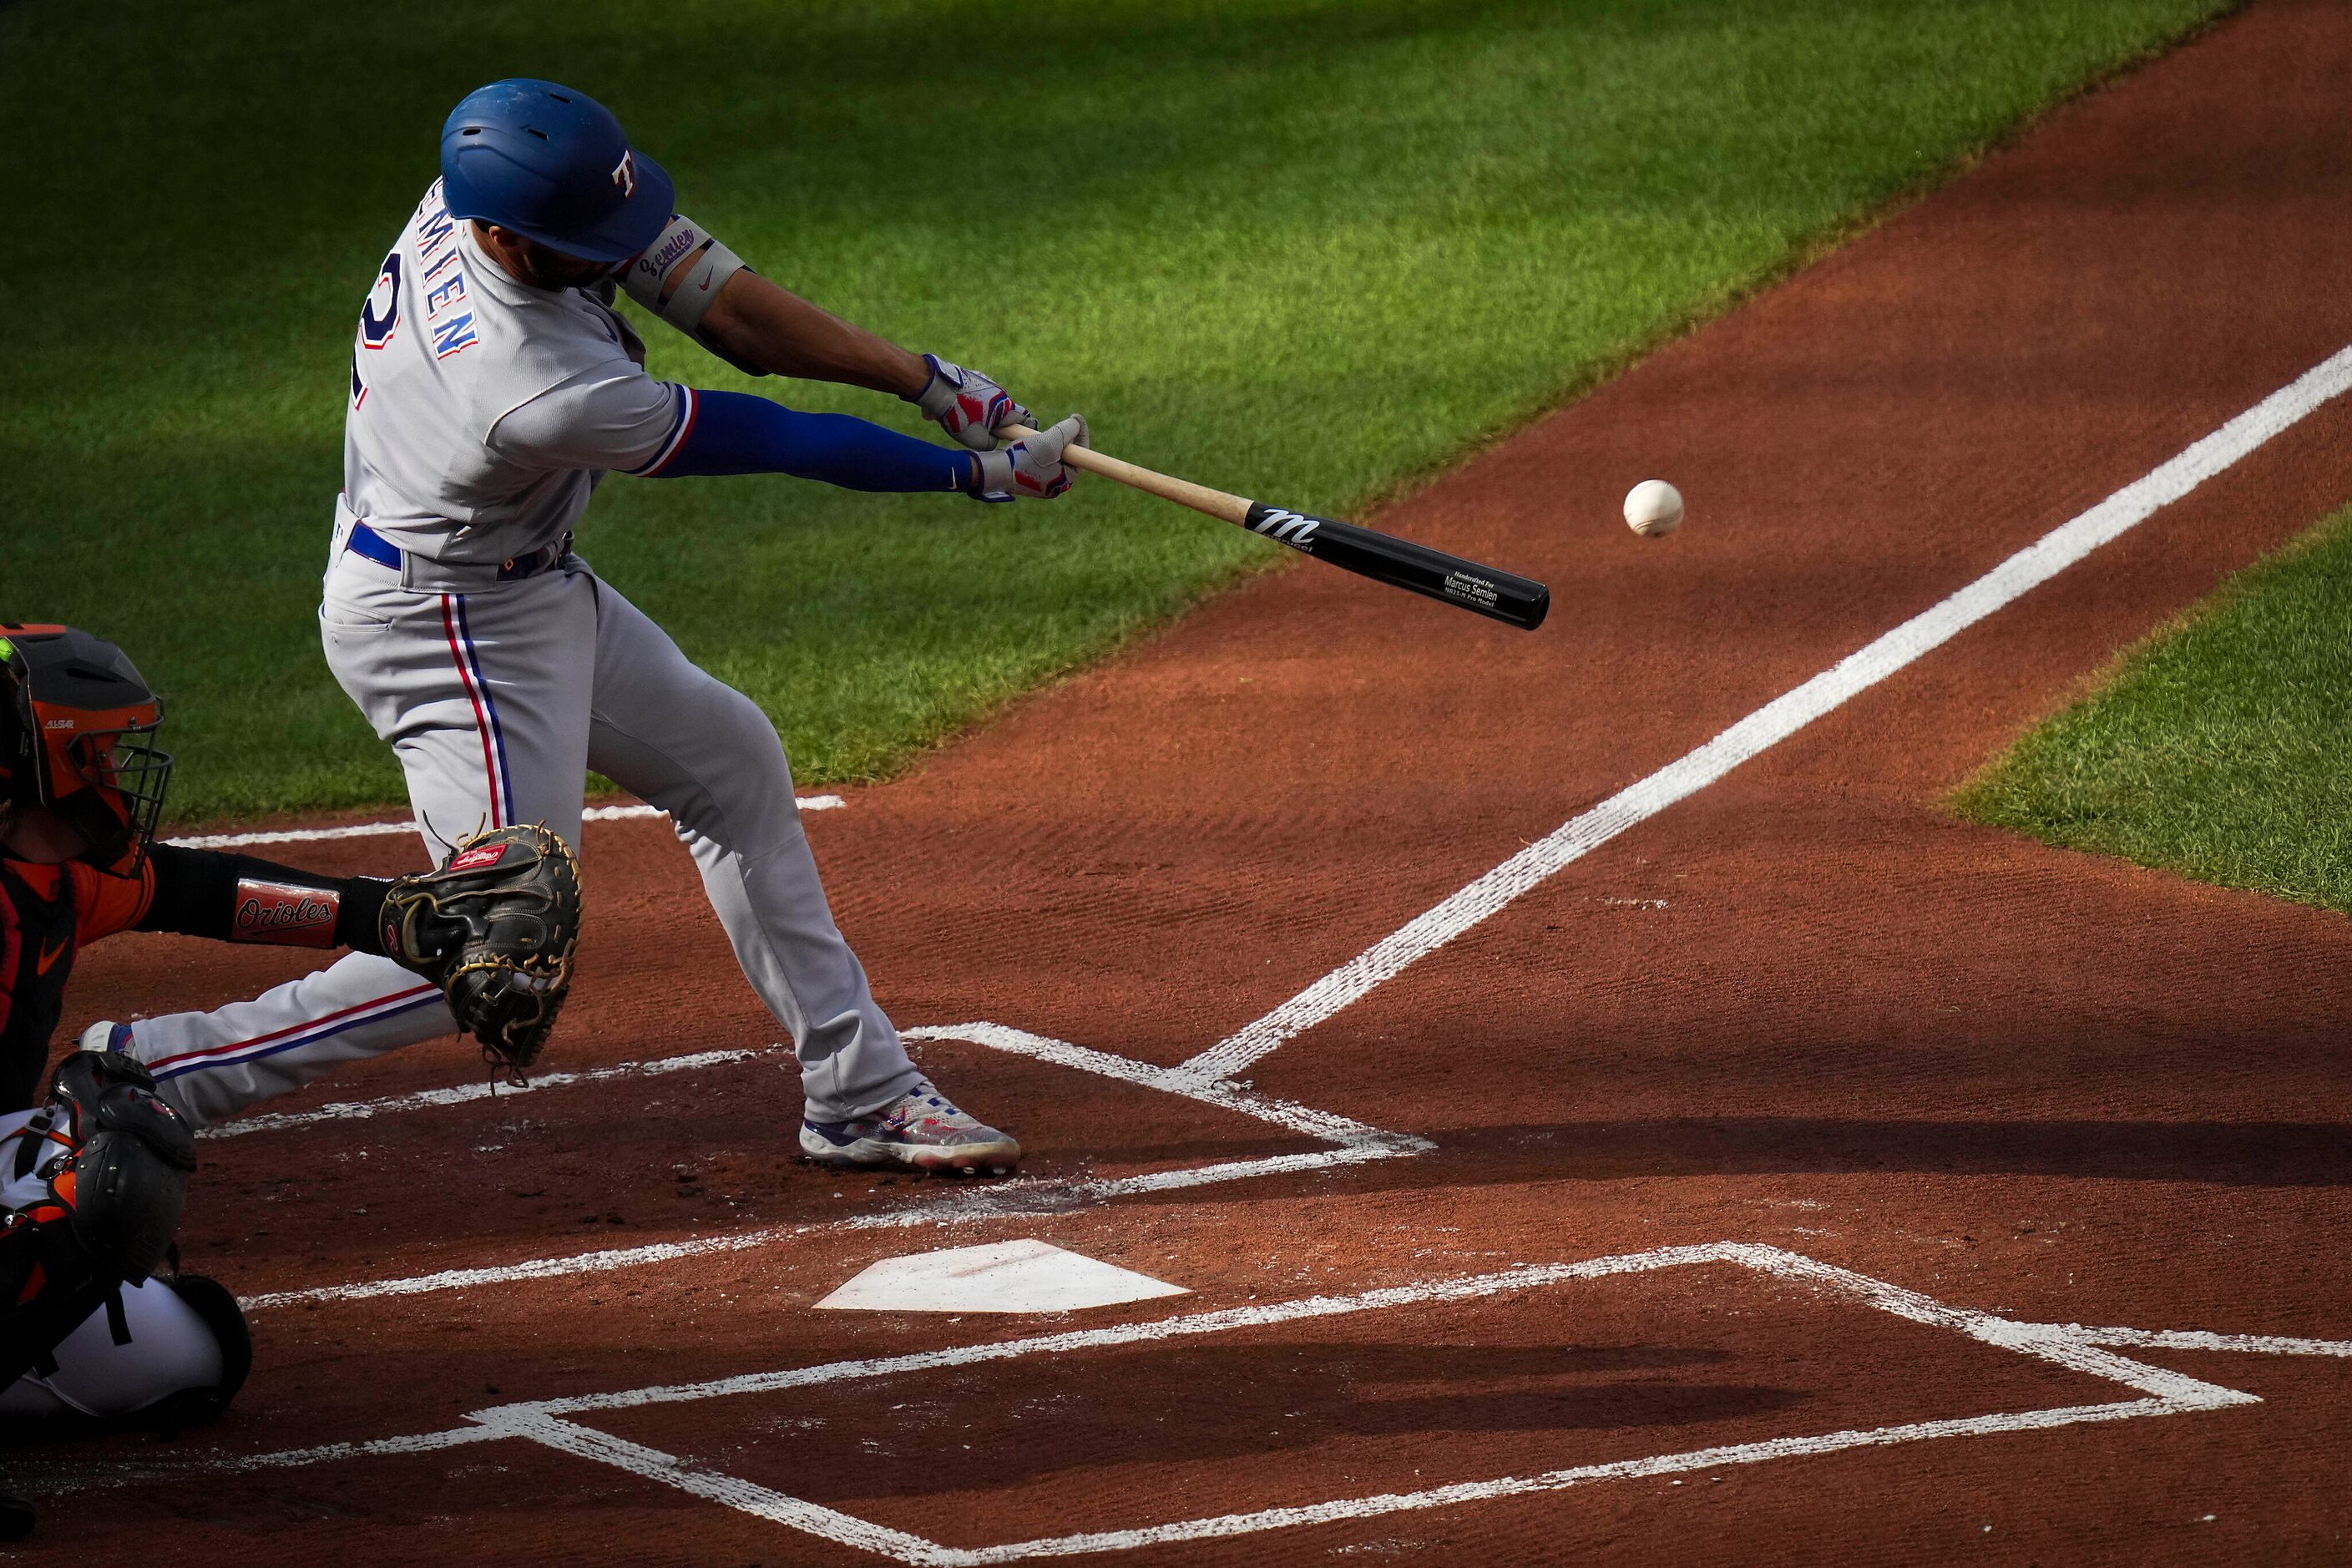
<point>389,829</point>
<point>1781,718</point>
<point>1354,1144</point>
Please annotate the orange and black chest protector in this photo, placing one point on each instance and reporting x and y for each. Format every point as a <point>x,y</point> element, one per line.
<point>38,938</point>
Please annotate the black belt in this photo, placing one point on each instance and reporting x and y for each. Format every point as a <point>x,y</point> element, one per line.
<point>365,540</point>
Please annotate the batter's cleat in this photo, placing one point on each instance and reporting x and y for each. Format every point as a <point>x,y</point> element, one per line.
<point>920,1128</point>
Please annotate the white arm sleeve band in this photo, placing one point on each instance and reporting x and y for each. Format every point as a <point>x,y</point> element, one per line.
<point>679,274</point>
<point>614,417</point>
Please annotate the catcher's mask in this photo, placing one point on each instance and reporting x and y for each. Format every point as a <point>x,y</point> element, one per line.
<point>75,721</point>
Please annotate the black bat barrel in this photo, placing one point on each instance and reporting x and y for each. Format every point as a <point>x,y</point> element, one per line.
<point>1486,591</point>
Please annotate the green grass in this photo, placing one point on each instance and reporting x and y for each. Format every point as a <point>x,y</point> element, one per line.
<point>1312,249</point>
<point>2218,748</point>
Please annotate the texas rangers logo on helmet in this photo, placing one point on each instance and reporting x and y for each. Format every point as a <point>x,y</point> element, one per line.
<point>624,173</point>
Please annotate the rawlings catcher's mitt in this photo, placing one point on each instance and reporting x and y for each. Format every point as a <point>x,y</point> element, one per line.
<point>495,927</point>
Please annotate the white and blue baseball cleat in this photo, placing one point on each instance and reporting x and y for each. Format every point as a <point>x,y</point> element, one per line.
<point>106,1035</point>
<point>921,1127</point>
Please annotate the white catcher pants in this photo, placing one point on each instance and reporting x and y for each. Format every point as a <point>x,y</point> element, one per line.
<point>498,700</point>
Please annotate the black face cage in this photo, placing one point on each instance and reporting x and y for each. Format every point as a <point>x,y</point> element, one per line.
<point>141,774</point>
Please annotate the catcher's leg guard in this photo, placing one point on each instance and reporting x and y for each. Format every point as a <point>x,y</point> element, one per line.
<point>129,1180</point>
<point>107,1167</point>
<point>172,1355</point>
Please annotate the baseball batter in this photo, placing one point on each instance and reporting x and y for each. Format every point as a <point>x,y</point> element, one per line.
<point>493,386</point>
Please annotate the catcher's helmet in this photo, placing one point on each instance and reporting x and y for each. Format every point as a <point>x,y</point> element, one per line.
<point>75,721</point>
<point>553,165</point>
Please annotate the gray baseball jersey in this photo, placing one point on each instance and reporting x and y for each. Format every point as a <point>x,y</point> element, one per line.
<point>484,411</point>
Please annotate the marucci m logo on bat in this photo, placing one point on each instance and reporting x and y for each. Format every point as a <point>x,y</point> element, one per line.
<point>1290,527</point>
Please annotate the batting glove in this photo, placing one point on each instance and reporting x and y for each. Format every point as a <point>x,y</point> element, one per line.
<point>967,404</point>
<point>1031,468</point>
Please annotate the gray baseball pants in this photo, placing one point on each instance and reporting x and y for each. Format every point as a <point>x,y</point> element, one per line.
<point>498,697</point>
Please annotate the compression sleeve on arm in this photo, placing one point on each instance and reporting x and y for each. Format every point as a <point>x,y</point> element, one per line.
<point>734,433</point>
<point>237,898</point>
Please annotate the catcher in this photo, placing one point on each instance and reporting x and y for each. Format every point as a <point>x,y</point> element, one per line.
<point>93,1173</point>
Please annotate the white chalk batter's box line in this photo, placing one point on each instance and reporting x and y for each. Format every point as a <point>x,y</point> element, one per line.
<point>393,829</point>
<point>552,1424</point>
<point>1350,1143</point>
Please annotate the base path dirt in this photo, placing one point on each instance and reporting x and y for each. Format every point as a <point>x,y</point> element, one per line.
<point>1804,1011</point>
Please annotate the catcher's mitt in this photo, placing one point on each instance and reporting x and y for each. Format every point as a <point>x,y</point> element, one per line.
<point>495,927</point>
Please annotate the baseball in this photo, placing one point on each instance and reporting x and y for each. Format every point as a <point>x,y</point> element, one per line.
<point>1653,508</point>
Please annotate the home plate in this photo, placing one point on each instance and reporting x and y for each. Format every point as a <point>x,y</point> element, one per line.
<point>1003,1277</point>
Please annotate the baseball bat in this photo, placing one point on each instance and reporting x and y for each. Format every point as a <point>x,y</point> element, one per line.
<point>1400,562</point>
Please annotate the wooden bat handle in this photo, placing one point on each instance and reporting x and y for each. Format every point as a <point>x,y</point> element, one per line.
<point>1167,487</point>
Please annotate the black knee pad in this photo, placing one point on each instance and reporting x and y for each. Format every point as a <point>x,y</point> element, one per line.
<point>127,1201</point>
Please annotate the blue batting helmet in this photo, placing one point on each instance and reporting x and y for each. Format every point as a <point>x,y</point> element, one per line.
<point>553,165</point>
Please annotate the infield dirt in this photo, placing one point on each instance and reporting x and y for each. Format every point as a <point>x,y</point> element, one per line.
<point>1806,1006</point>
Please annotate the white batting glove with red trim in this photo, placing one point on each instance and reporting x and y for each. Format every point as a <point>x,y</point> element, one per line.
<point>1030,469</point>
<point>967,404</point>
